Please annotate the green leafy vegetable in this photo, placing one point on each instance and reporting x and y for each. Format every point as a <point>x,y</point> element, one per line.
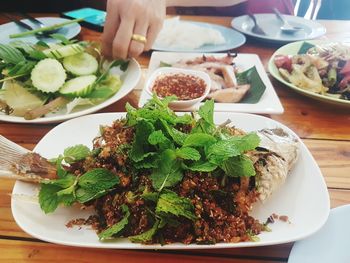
<point>76,153</point>
<point>145,236</point>
<point>199,139</point>
<point>188,153</point>
<point>171,203</point>
<point>257,86</point>
<point>95,183</point>
<point>238,166</point>
<point>48,198</point>
<point>10,54</point>
<point>168,171</point>
<point>304,48</point>
<point>118,227</point>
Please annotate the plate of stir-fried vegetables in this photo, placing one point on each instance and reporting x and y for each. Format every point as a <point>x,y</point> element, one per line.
<point>317,69</point>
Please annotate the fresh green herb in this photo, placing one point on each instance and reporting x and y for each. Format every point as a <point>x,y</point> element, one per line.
<point>145,236</point>
<point>95,183</point>
<point>167,172</point>
<point>171,203</point>
<point>69,188</point>
<point>238,166</point>
<point>76,153</point>
<point>10,54</point>
<point>117,228</point>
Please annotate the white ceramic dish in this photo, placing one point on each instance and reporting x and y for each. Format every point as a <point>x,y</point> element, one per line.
<point>269,103</point>
<point>292,49</point>
<point>330,244</point>
<point>303,198</point>
<point>271,26</point>
<point>69,31</point>
<point>180,104</point>
<point>130,79</point>
<point>233,39</point>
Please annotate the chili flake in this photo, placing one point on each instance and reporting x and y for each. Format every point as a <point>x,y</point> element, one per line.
<point>183,86</point>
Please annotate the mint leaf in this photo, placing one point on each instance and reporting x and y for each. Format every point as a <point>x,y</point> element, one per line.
<point>95,183</point>
<point>118,227</point>
<point>140,147</point>
<point>145,236</point>
<point>48,198</point>
<point>221,151</point>
<point>206,111</point>
<point>157,137</point>
<point>64,182</point>
<point>150,196</point>
<point>188,153</point>
<point>178,136</point>
<point>202,167</point>
<point>238,166</point>
<point>168,173</point>
<point>171,203</point>
<point>199,140</point>
<point>234,146</point>
<point>246,142</point>
<point>76,153</point>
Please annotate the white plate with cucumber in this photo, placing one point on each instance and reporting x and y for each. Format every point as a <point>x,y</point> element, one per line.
<point>43,84</point>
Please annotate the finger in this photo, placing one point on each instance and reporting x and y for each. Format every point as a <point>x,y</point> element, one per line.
<point>153,31</point>
<point>122,39</point>
<point>110,29</point>
<point>136,47</point>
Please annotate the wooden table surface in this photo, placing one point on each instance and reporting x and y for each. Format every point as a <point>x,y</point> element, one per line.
<point>325,129</point>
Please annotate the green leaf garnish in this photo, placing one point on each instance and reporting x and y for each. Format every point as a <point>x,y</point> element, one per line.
<point>118,227</point>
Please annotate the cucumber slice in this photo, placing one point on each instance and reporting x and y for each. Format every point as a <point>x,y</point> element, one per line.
<point>19,98</point>
<point>48,75</point>
<point>81,64</point>
<point>63,51</point>
<point>78,87</point>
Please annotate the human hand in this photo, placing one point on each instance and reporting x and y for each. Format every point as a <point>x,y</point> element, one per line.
<point>128,17</point>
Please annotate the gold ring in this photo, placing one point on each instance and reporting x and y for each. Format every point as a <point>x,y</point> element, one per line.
<point>139,38</point>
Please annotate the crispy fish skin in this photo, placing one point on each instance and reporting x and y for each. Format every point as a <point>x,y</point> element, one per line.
<point>19,163</point>
<point>278,152</point>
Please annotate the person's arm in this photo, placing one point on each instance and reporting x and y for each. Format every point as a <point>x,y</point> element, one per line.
<point>203,2</point>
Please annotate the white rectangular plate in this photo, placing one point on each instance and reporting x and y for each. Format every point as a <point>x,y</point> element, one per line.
<point>303,198</point>
<point>269,103</point>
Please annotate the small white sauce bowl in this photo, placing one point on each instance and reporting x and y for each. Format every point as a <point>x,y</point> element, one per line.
<point>180,104</point>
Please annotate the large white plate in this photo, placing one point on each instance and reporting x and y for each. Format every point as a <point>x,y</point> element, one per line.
<point>130,79</point>
<point>292,49</point>
<point>330,244</point>
<point>69,31</point>
<point>303,198</point>
<point>233,39</point>
<point>271,26</point>
<point>269,102</point>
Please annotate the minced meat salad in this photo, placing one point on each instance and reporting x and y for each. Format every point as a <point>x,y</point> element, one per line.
<point>155,177</point>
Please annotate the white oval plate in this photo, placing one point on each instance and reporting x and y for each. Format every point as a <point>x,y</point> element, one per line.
<point>303,198</point>
<point>271,26</point>
<point>233,39</point>
<point>130,79</point>
<point>69,31</point>
<point>330,244</point>
<point>292,49</point>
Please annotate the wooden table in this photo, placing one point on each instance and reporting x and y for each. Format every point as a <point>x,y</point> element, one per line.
<point>325,129</point>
